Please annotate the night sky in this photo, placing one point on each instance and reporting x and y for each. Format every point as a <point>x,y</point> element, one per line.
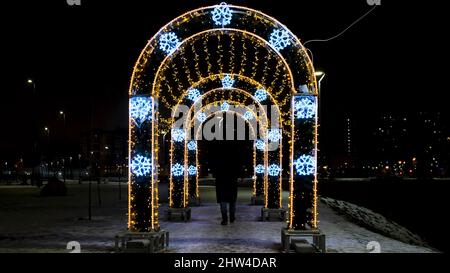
<point>81,59</point>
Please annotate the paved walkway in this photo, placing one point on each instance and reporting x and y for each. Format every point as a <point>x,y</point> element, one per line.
<point>30,223</point>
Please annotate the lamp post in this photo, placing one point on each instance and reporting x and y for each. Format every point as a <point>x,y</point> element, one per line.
<point>36,130</point>
<point>63,115</point>
<point>320,75</point>
<point>32,83</point>
<point>79,168</point>
<point>70,167</point>
<point>64,169</point>
<point>47,131</point>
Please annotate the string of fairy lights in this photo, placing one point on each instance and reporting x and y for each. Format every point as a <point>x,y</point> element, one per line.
<point>223,56</point>
<point>211,110</point>
<point>222,104</point>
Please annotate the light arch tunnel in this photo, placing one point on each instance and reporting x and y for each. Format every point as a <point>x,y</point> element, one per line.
<point>186,187</point>
<point>248,116</point>
<point>178,56</point>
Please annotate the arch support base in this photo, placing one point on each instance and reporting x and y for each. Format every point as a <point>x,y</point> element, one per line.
<point>273,214</point>
<point>195,201</point>
<point>174,214</point>
<point>257,200</point>
<point>142,242</point>
<point>293,241</point>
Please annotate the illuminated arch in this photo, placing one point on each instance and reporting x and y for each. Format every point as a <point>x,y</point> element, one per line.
<point>277,41</point>
<point>246,19</point>
<point>226,31</point>
<point>214,113</point>
<point>184,185</point>
<point>211,79</point>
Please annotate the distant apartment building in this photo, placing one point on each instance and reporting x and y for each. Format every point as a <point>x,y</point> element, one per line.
<point>105,152</point>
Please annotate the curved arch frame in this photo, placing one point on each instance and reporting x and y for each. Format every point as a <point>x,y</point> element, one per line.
<point>143,138</point>
<point>213,113</point>
<point>247,13</point>
<point>187,40</point>
<point>278,151</point>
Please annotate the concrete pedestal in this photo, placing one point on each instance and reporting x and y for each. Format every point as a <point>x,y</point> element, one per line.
<point>291,240</point>
<point>141,242</point>
<point>273,214</point>
<point>194,201</point>
<point>183,214</point>
<point>257,200</point>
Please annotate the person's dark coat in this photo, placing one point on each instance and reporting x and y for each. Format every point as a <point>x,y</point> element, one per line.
<point>226,171</point>
<point>226,186</point>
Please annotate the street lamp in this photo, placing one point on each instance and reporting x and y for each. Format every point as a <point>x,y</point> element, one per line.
<point>32,83</point>
<point>79,168</point>
<point>320,75</point>
<point>47,131</point>
<point>63,114</point>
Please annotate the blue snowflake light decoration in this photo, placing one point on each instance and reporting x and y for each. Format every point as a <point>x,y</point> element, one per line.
<point>178,135</point>
<point>225,106</point>
<point>177,169</point>
<point>274,170</point>
<point>193,94</point>
<point>201,117</point>
<point>260,145</point>
<point>192,145</point>
<point>227,82</point>
<point>259,169</point>
<point>221,14</point>
<point>260,95</point>
<point>192,170</point>
<point>141,165</point>
<point>140,109</point>
<point>274,135</point>
<point>169,42</point>
<point>248,115</point>
<point>305,165</point>
<point>305,108</point>
<point>279,39</point>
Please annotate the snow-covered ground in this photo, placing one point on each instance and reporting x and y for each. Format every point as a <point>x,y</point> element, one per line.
<point>30,223</point>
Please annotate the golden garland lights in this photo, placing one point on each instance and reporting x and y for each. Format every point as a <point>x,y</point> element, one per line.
<point>197,50</point>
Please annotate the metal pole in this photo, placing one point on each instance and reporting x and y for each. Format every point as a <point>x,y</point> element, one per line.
<point>89,202</point>
<point>120,186</point>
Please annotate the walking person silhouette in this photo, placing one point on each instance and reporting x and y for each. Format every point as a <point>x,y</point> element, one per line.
<point>226,165</point>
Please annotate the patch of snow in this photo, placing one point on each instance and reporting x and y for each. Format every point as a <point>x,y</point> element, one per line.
<point>373,221</point>
<point>30,223</point>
